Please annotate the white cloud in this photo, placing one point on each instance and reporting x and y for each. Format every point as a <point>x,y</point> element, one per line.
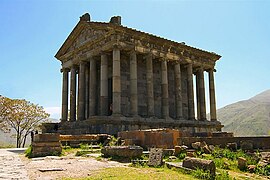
<point>54,112</point>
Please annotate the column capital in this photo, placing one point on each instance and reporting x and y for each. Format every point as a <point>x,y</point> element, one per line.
<point>83,62</point>
<point>103,53</point>
<point>132,51</point>
<point>211,70</point>
<point>64,70</point>
<point>149,55</point>
<point>74,66</point>
<point>117,46</point>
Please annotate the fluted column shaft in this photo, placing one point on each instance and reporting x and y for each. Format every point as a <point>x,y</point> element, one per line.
<point>149,85</point>
<point>202,95</point>
<point>81,104</point>
<point>198,95</point>
<point>190,93</point>
<point>65,96</point>
<point>164,87</point>
<point>178,91</point>
<point>116,86</point>
<point>86,92</point>
<point>133,84</point>
<point>73,82</point>
<point>104,85</point>
<point>92,87</point>
<point>212,95</point>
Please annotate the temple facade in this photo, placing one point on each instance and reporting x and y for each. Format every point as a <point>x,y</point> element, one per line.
<point>117,78</point>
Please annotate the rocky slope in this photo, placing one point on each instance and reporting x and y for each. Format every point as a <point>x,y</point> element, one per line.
<point>249,117</point>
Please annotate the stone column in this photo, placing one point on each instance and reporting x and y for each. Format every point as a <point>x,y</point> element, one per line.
<point>104,85</point>
<point>202,95</point>
<point>164,87</point>
<point>92,87</point>
<point>133,84</point>
<point>212,95</point>
<point>198,95</point>
<point>116,86</point>
<point>73,82</point>
<point>178,91</point>
<point>65,95</point>
<point>150,86</point>
<point>81,91</point>
<point>190,93</point>
<point>86,92</point>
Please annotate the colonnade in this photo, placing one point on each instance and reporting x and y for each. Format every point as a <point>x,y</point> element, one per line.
<point>86,105</point>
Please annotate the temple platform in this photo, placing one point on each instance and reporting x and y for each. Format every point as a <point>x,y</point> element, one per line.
<point>114,124</point>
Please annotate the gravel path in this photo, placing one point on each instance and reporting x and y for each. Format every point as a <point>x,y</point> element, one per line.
<point>11,166</point>
<point>67,166</point>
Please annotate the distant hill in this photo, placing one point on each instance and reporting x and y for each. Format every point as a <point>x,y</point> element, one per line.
<point>249,117</point>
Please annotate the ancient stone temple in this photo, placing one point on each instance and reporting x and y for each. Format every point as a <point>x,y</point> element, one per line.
<point>117,78</point>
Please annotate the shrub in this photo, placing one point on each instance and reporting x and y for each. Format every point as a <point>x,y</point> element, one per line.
<point>201,174</point>
<point>28,152</point>
<point>223,175</point>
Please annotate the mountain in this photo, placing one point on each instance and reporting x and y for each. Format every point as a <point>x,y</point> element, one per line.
<point>249,117</point>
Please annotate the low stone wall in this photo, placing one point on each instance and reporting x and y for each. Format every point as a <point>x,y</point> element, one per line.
<point>160,138</point>
<point>46,144</point>
<point>122,151</point>
<point>76,140</point>
<point>262,142</point>
<point>113,124</point>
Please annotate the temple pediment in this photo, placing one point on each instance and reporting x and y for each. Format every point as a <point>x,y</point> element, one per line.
<point>84,33</point>
<point>91,38</point>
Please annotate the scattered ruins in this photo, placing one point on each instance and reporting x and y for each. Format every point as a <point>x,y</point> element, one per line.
<point>117,78</point>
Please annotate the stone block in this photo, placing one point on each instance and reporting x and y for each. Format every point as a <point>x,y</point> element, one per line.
<point>242,163</point>
<point>193,163</point>
<point>206,149</point>
<point>232,146</point>
<point>155,157</point>
<point>130,142</point>
<point>38,151</point>
<point>47,137</point>
<point>168,152</point>
<point>196,145</point>
<point>246,145</point>
<point>122,151</point>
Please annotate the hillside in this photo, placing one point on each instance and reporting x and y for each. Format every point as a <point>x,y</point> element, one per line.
<point>247,118</point>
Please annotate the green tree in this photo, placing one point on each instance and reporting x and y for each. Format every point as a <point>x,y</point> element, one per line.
<point>22,116</point>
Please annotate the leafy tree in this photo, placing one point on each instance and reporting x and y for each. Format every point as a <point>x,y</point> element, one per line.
<point>22,116</point>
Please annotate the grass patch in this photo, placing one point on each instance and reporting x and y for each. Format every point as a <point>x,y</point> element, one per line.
<point>137,173</point>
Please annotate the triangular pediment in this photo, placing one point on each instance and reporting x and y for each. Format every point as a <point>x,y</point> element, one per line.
<point>83,33</point>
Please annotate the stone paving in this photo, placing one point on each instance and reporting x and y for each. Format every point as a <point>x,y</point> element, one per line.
<point>11,166</point>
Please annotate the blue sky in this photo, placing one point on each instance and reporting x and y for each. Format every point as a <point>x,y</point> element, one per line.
<point>31,33</point>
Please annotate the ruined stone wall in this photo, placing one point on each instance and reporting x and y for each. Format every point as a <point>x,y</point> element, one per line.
<point>262,142</point>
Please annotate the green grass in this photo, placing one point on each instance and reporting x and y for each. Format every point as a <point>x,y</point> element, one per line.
<point>137,173</point>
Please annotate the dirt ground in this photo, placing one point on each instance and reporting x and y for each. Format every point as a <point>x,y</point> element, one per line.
<point>70,166</point>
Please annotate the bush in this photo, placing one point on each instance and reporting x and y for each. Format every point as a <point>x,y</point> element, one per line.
<point>223,175</point>
<point>28,152</point>
<point>201,174</point>
<point>263,170</point>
